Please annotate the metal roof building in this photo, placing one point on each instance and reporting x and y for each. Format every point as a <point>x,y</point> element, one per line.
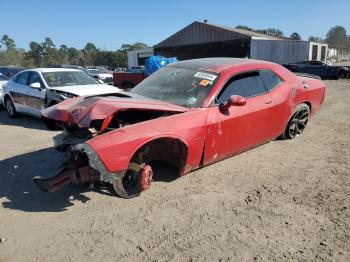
<point>201,39</point>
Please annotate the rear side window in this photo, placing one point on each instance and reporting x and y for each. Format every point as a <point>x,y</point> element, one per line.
<point>22,78</point>
<point>271,80</point>
<point>246,85</point>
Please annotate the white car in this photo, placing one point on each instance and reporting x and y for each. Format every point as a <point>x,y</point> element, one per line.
<point>3,80</point>
<point>104,75</point>
<point>30,91</point>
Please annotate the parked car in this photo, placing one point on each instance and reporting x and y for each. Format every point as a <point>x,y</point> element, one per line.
<point>133,76</point>
<point>3,80</point>
<point>188,114</point>
<point>72,67</point>
<point>32,90</point>
<point>104,75</point>
<point>126,80</point>
<point>319,68</point>
<point>10,70</point>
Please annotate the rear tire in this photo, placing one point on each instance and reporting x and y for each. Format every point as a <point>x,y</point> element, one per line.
<point>10,108</point>
<point>297,123</point>
<point>341,75</point>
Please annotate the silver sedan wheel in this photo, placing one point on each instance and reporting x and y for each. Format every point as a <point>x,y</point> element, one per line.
<point>10,107</point>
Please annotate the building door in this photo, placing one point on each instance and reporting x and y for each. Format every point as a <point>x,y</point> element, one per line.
<point>323,54</point>
<point>314,52</point>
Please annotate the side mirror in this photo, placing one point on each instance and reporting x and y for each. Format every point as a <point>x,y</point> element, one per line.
<point>35,85</point>
<point>234,100</point>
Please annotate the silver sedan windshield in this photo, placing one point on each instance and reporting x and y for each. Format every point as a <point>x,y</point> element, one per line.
<point>68,78</point>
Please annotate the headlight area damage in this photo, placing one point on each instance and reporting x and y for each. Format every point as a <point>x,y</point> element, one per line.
<point>85,119</point>
<point>82,165</point>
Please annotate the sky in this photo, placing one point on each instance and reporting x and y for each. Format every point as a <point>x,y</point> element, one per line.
<point>109,24</point>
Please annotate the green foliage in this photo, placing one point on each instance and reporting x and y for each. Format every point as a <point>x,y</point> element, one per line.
<point>135,46</point>
<point>244,27</point>
<point>46,54</point>
<point>295,36</point>
<point>11,57</point>
<point>336,37</point>
<point>270,31</point>
<point>7,42</point>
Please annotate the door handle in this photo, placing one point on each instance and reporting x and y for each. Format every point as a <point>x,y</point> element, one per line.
<point>268,101</point>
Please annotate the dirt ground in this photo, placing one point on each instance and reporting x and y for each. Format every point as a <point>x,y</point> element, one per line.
<point>282,201</point>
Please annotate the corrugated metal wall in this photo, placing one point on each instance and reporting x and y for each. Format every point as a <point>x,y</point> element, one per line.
<point>199,33</point>
<point>279,51</point>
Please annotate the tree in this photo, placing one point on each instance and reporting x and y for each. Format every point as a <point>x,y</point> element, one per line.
<point>295,36</point>
<point>63,54</point>
<point>135,46</point>
<point>90,47</point>
<point>244,27</point>
<point>8,42</point>
<point>89,53</point>
<point>63,49</point>
<point>73,55</point>
<point>50,53</point>
<point>120,58</point>
<point>336,37</point>
<point>274,32</point>
<point>35,54</point>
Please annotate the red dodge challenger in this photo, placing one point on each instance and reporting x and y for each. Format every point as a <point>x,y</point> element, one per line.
<point>189,114</point>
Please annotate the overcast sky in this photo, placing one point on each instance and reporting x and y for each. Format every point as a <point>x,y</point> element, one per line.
<point>109,23</point>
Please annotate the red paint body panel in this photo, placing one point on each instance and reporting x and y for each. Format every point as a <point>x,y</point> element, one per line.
<point>122,79</point>
<point>81,112</point>
<point>208,134</point>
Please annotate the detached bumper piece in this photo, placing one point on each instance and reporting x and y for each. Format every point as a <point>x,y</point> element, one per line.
<point>67,177</point>
<point>82,165</point>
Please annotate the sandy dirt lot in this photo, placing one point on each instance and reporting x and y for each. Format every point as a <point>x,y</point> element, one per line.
<point>282,201</point>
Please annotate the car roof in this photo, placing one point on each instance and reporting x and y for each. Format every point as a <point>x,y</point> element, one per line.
<point>13,67</point>
<point>215,64</point>
<point>49,70</point>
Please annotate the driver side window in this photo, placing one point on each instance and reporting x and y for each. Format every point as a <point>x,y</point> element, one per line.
<point>246,85</point>
<point>35,78</point>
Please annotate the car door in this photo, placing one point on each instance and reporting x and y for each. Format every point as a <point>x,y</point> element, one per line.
<point>280,92</point>
<point>35,100</point>
<point>241,127</point>
<point>317,68</point>
<point>18,90</point>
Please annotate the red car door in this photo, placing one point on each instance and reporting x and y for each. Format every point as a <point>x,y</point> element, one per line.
<point>241,127</point>
<point>280,92</point>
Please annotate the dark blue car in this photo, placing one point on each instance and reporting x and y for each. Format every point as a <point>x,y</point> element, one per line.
<point>319,68</point>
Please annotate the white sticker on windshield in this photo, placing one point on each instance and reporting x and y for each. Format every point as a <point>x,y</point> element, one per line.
<point>205,76</point>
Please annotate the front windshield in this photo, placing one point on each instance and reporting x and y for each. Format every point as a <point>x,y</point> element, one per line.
<point>180,86</point>
<point>68,78</point>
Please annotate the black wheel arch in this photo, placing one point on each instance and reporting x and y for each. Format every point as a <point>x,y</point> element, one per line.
<point>170,150</point>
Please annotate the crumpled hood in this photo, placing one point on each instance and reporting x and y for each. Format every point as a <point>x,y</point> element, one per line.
<point>82,110</point>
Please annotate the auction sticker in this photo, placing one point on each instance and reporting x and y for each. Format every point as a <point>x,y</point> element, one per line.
<point>205,76</point>
<point>205,82</point>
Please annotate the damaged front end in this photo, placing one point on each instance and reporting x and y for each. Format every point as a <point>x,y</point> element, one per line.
<point>82,165</point>
<point>86,120</point>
